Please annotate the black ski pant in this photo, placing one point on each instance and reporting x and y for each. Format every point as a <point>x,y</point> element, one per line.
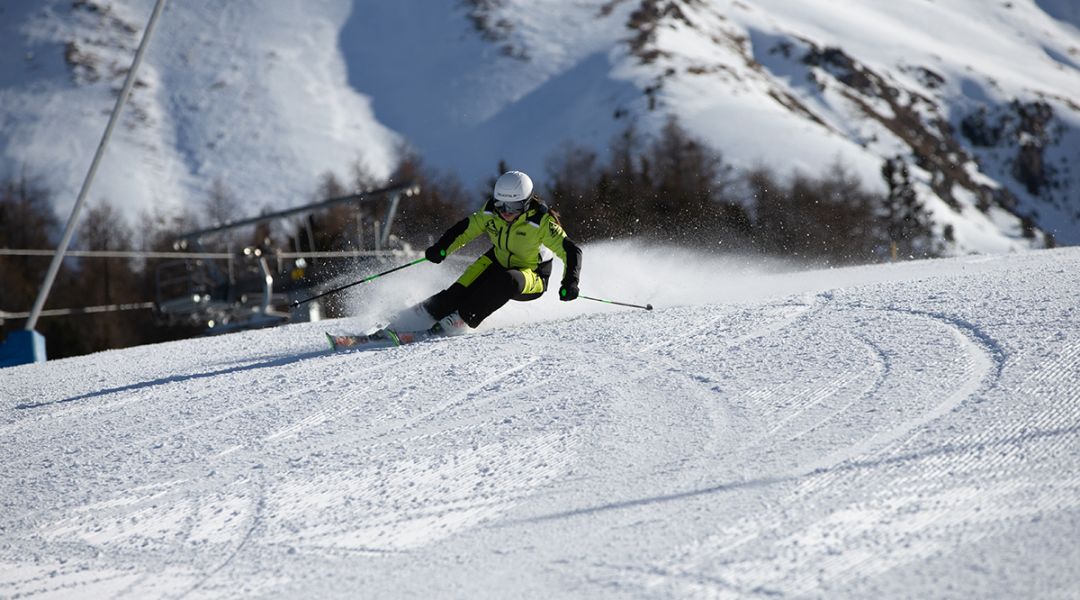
<point>486,294</point>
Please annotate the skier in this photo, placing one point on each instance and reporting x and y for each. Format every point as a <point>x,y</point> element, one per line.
<point>525,235</point>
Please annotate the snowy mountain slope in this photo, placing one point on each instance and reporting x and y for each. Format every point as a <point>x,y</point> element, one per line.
<point>977,98</point>
<point>254,98</point>
<point>518,95</point>
<point>845,94</point>
<point>895,431</point>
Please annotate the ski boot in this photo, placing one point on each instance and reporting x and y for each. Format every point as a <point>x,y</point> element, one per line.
<point>450,325</point>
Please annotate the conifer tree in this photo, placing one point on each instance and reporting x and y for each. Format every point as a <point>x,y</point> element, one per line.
<point>908,224</point>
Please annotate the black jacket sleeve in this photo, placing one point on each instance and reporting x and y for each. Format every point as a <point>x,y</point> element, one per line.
<point>572,271</point>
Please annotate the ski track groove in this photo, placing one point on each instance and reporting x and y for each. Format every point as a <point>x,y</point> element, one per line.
<point>393,507</point>
<point>922,480</point>
<point>482,422</point>
<point>1054,425</point>
<point>803,310</point>
<point>986,364</point>
<point>288,395</point>
<point>985,361</point>
<point>256,522</point>
<point>456,399</point>
<point>648,371</point>
<point>810,398</point>
<point>226,391</point>
<point>126,505</point>
<point>882,369</point>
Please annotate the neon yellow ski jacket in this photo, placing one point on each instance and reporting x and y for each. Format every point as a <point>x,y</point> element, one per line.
<point>518,244</point>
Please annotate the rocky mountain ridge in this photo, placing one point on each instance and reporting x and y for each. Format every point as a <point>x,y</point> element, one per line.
<point>977,100</point>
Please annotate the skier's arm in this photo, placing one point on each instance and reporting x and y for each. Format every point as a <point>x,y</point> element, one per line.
<point>459,234</point>
<point>555,238</point>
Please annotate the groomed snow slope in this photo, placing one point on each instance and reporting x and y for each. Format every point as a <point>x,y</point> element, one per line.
<point>890,431</point>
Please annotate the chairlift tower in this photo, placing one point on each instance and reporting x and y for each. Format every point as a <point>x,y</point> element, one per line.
<point>198,291</point>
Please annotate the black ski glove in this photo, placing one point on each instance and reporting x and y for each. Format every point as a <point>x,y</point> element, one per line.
<point>435,254</point>
<point>568,291</point>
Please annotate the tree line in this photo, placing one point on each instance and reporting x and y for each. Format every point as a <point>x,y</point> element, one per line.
<point>672,188</point>
<point>667,188</point>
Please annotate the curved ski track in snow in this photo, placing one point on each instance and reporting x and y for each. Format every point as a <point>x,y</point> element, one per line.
<point>890,431</point>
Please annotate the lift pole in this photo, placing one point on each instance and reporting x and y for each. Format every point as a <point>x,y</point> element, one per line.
<point>58,258</point>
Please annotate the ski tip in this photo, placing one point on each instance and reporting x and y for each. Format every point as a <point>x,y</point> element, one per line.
<point>333,344</point>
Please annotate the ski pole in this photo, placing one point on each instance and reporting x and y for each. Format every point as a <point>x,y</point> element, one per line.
<point>364,280</point>
<point>646,307</point>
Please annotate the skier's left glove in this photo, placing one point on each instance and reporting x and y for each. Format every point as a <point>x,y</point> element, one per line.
<point>435,254</point>
<point>568,291</point>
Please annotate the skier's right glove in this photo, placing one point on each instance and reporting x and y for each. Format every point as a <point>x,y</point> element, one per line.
<point>435,254</point>
<point>568,291</point>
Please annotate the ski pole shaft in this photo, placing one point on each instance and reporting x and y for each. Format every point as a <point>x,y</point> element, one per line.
<point>646,307</point>
<point>364,280</point>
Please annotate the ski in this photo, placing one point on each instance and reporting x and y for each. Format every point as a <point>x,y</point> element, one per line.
<point>384,338</point>
<point>388,338</point>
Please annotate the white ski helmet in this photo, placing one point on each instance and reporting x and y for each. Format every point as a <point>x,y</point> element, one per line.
<point>513,190</point>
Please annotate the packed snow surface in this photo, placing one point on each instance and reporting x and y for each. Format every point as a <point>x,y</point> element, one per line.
<point>906,430</point>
